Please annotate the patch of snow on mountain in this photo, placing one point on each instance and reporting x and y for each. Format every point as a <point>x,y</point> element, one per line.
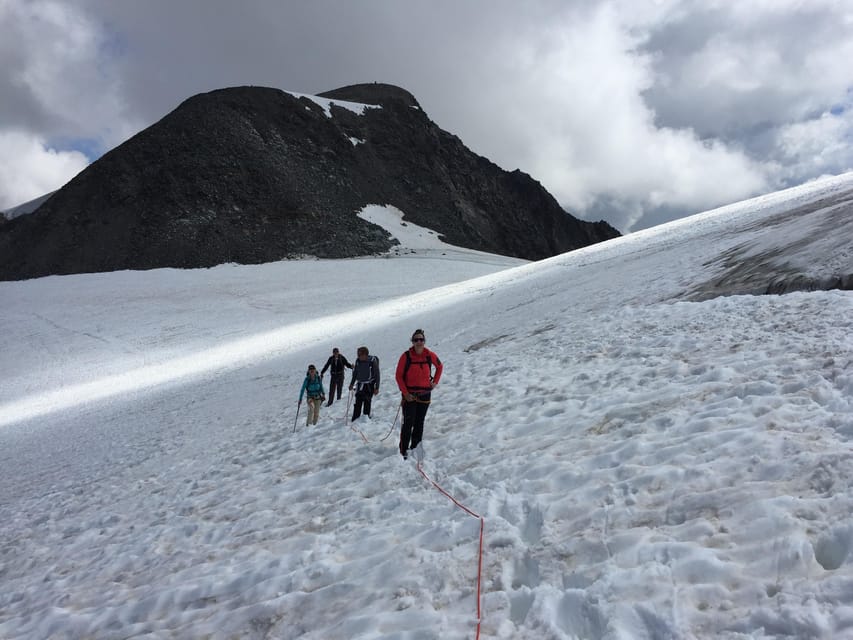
<point>326,103</point>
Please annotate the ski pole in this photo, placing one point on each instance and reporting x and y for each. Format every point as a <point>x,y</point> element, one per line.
<point>298,407</point>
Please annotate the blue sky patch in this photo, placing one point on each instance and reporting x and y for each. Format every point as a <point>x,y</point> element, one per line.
<point>92,148</point>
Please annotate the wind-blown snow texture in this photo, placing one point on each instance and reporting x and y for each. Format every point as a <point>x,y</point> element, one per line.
<point>647,467</point>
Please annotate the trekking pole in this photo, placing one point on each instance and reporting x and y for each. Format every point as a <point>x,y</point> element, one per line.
<point>399,406</point>
<point>349,399</point>
<point>298,407</point>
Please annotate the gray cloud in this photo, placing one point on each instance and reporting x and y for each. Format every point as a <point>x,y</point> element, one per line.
<point>729,74</point>
<point>637,112</point>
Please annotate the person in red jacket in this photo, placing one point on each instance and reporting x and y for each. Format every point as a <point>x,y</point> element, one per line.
<point>416,380</point>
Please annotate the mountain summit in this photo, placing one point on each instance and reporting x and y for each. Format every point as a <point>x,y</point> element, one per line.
<point>254,174</point>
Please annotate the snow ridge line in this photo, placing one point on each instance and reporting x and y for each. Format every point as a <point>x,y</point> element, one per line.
<point>480,551</point>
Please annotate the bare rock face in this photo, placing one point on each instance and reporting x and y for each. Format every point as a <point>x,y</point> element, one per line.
<point>253,174</point>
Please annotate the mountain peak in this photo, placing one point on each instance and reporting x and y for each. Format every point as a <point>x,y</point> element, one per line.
<point>254,174</point>
<point>372,93</point>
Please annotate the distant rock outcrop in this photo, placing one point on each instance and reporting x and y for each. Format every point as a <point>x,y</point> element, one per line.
<point>778,257</point>
<point>253,174</point>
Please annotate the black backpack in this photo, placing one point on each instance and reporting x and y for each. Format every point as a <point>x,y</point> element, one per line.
<point>372,360</point>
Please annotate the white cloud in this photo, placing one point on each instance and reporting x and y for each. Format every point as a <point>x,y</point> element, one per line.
<point>738,71</point>
<point>62,64</point>
<point>29,169</point>
<point>817,146</point>
<point>62,84</point>
<point>577,121</point>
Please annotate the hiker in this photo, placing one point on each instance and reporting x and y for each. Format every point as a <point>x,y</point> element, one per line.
<point>416,381</point>
<point>336,381</point>
<point>365,377</point>
<point>313,385</point>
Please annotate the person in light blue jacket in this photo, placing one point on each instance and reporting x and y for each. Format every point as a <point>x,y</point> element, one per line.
<point>313,387</point>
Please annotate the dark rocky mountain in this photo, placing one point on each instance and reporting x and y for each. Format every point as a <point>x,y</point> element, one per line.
<point>253,174</point>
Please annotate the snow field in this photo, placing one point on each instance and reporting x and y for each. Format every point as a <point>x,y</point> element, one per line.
<point>647,467</point>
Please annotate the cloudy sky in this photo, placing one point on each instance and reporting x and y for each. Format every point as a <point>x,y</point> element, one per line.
<point>635,111</point>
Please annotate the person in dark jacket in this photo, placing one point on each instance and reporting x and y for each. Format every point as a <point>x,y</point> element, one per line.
<point>313,386</point>
<point>337,363</point>
<point>365,378</point>
<point>416,380</point>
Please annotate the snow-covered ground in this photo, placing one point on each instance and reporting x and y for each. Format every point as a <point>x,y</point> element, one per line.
<point>26,207</point>
<point>645,466</point>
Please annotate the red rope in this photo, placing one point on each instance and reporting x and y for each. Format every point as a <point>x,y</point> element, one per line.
<point>480,553</point>
<point>458,504</point>
<point>392,424</point>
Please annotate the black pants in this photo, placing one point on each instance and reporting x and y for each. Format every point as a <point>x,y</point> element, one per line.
<point>335,383</point>
<point>412,430</point>
<point>363,398</point>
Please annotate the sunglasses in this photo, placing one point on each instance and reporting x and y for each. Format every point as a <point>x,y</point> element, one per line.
<point>417,339</point>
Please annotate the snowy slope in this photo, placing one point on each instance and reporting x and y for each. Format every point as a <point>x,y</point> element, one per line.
<point>26,207</point>
<point>646,466</point>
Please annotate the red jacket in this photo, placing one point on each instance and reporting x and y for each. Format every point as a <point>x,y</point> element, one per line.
<point>417,376</point>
